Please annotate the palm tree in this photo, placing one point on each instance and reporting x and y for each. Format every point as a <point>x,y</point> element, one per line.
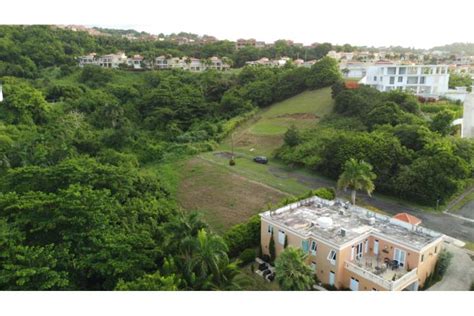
<point>292,273</point>
<point>209,253</point>
<point>357,175</point>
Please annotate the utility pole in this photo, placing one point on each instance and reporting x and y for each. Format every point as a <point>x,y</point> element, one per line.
<point>232,137</point>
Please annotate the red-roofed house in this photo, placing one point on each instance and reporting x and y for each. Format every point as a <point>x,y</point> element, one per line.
<point>405,217</point>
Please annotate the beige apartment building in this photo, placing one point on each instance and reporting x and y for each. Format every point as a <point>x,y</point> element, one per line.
<point>352,247</point>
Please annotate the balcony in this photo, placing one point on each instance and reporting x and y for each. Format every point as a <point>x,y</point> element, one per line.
<point>371,269</point>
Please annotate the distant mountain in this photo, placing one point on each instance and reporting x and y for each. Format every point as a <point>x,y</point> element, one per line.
<point>457,48</point>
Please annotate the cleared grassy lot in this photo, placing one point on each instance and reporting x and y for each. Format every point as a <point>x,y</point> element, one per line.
<point>226,195</point>
<point>223,197</point>
<point>263,134</point>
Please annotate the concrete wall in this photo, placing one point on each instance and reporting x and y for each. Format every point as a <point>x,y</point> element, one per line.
<point>468,116</point>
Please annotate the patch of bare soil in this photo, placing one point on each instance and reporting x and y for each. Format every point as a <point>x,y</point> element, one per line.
<point>299,116</point>
<point>222,197</point>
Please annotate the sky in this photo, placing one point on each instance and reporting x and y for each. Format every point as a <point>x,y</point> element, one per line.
<point>409,23</point>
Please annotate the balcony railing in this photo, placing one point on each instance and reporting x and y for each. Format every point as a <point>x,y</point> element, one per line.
<point>405,280</point>
<point>368,275</point>
<point>390,285</point>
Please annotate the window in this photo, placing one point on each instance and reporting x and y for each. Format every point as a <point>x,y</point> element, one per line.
<point>412,80</point>
<point>375,78</point>
<point>304,246</point>
<point>412,70</point>
<point>313,265</point>
<point>422,80</point>
<point>314,248</point>
<point>270,229</point>
<point>402,70</point>
<point>436,249</point>
<point>332,257</point>
<point>359,251</point>
<point>281,237</point>
<point>352,253</point>
<point>366,246</point>
<point>392,80</point>
<point>422,258</point>
<point>391,70</point>
<point>426,70</point>
<point>399,255</point>
<point>400,79</point>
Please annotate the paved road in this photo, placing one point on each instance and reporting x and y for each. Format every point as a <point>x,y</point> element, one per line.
<point>467,210</point>
<point>460,273</point>
<point>444,223</point>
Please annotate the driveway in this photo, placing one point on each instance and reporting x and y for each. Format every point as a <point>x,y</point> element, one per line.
<point>460,273</point>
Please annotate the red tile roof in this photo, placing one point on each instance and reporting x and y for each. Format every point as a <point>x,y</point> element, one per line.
<point>408,218</point>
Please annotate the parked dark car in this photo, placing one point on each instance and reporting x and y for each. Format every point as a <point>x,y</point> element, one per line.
<point>261,159</point>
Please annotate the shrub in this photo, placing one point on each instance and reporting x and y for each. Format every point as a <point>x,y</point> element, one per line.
<point>325,193</point>
<point>271,248</point>
<point>444,259</point>
<point>247,256</point>
<point>243,236</point>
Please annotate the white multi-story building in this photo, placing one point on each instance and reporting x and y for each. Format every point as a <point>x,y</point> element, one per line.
<point>135,62</point>
<point>112,60</point>
<point>87,60</point>
<point>105,61</point>
<point>422,80</point>
<point>161,62</point>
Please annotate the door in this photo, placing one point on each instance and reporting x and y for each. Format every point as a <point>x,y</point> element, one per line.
<point>376,247</point>
<point>332,278</point>
<point>354,285</point>
<point>400,256</point>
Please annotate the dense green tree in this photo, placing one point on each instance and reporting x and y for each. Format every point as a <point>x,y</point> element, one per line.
<point>324,73</point>
<point>387,113</point>
<point>460,80</point>
<point>442,122</point>
<point>23,104</point>
<point>95,77</point>
<point>150,282</point>
<point>292,136</point>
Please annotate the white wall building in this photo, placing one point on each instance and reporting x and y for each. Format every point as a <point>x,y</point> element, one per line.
<point>422,80</point>
<point>112,60</point>
<point>354,69</point>
<point>135,62</point>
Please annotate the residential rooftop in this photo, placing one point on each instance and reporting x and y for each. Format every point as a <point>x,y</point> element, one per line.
<point>339,222</point>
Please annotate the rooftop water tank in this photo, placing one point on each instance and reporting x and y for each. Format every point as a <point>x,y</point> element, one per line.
<point>324,222</point>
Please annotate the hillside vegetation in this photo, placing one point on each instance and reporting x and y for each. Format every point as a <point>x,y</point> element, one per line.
<point>414,157</point>
<point>87,197</point>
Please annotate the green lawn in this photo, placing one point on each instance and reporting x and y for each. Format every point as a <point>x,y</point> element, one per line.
<point>305,109</point>
<point>264,133</point>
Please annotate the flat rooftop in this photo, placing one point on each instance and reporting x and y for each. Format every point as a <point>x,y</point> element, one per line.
<point>325,219</point>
